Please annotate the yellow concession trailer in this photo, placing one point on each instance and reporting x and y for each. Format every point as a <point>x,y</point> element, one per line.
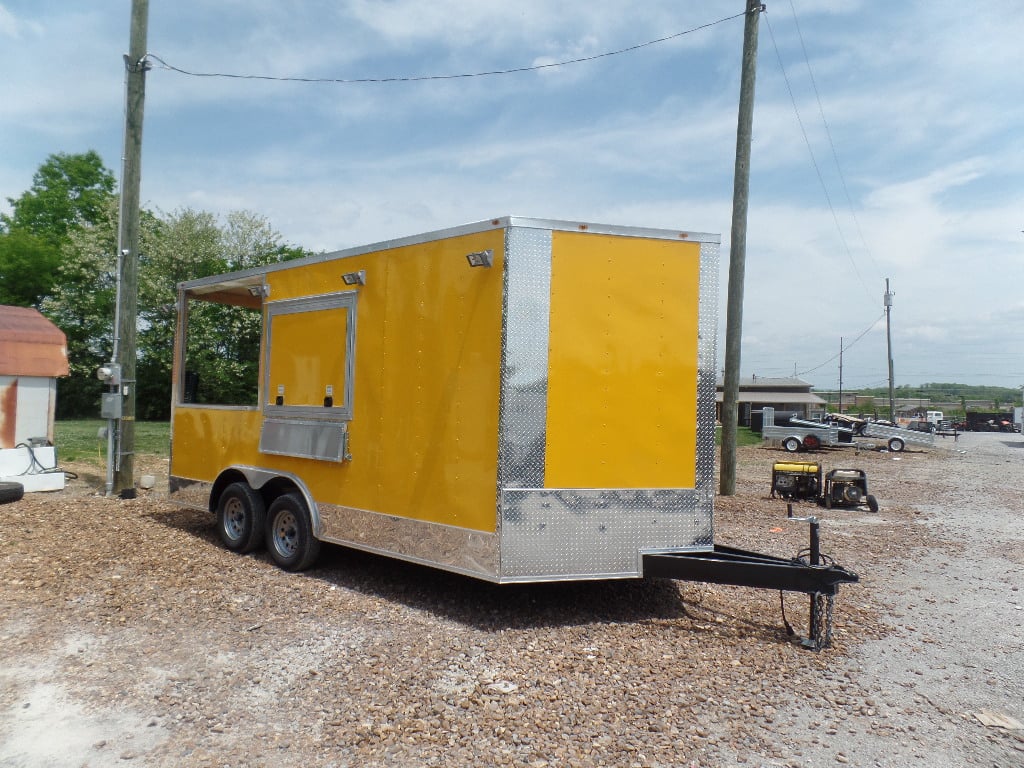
<point>515,400</point>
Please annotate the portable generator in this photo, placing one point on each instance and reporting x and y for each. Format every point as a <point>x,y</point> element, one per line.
<point>796,480</point>
<point>802,481</point>
<point>847,488</point>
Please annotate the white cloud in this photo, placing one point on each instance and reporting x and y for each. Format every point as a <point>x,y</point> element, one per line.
<point>13,27</point>
<point>924,125</point>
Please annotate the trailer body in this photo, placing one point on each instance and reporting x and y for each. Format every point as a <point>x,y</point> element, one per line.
<point>515,400</point>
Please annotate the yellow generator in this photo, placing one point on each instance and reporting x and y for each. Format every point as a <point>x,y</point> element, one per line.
<point>516,400</point>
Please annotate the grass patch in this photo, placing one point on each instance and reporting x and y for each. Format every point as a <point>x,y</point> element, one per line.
<point>78,439</point>
<point>744,436</point>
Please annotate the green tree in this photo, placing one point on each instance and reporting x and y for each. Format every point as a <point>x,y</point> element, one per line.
<point>224,341</point>
<point>68,193</point>
<point>58,250</point>
<point>27,268</point>
<point>82,303</point>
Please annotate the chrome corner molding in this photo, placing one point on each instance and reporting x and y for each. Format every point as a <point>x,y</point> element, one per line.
<point>189,493</point>
<point>526,309</point>
<point>559,534</point>
<point>707,361</point>
<point>461,550</point>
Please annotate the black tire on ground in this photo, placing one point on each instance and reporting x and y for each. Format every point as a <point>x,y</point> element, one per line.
<point>872,503</point>
<point>11,492</point>
<point>290,539</point>
<point>812,443</point>
<point>241,518</point>
<point>791,444</point>
<point>896,444</point>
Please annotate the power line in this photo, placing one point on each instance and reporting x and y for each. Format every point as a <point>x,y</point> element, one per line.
<point>419,78</point>
<point>847,348</point>
<point>814,162</point>
<point>828,133</point>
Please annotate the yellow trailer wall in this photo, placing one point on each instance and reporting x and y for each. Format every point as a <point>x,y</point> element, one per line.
<point>622,384</point>
<point>424,430</point>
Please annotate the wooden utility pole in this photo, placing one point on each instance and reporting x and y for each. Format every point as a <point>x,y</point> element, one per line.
<point>887,300</point>
<point>128,244</point>
<point>738,251</point>
<point>840,374</point>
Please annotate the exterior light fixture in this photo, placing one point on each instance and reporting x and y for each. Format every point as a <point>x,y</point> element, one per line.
<point>481,258</point>
<point>259,291</point>
<point>355,278</point>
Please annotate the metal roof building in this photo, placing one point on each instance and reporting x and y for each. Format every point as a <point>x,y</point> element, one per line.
<point>782,394</point>
<point>33,353</point>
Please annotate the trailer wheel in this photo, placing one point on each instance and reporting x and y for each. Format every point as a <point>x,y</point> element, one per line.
<point>290,539</point>
<point>896,444</point>
<point>791,444</point>
<point>872,503</point>
<point>241,518</point>
<point>812,443</point>
<point>11,492</point>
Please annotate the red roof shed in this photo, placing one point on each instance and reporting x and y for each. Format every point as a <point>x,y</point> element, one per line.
<point>30,345</point>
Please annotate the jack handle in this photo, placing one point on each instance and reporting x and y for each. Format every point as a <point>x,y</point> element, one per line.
<point>815,525</point>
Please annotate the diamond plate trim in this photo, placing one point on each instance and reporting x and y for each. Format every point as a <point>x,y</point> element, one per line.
<point>524,358</point>
<point>707,360</point>
<point>567,534</point>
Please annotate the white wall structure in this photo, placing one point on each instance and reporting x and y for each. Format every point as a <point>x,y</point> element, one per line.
<point>33,352</point>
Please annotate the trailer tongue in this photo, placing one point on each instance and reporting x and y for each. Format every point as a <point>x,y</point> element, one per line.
<point>740,568</point>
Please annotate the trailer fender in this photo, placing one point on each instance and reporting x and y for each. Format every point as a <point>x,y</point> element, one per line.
<point>272,483</point>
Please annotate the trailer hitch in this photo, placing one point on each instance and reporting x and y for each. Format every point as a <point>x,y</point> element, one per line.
<point>737,567</point>
<point>819,634</point>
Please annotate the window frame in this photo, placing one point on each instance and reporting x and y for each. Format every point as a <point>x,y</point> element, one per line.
<point>342,411</point>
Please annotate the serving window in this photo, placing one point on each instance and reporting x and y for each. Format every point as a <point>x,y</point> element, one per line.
<point>310,357</point>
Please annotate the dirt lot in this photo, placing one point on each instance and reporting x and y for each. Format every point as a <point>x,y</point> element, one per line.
<point>129,636</point>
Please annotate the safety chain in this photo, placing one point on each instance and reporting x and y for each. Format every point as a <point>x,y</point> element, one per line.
<point>821,627</point>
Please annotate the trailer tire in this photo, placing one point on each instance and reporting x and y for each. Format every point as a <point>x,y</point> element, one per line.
<point>290,538</point>
<point>241,518</point>
<point>872,503</point>
<point>812,443</point>
<point>11,492</point>
<point>896,444</point>
<point>791,444</point>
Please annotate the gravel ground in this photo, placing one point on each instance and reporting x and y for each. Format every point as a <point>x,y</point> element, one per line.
<point>129,636</point>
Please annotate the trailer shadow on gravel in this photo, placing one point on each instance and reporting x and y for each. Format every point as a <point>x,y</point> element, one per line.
<point>493,607</point>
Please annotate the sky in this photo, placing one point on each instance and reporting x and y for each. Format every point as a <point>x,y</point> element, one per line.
<point>888,143</point>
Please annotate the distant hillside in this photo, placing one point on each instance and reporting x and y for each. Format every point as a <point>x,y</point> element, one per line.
<point>949,392</point>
